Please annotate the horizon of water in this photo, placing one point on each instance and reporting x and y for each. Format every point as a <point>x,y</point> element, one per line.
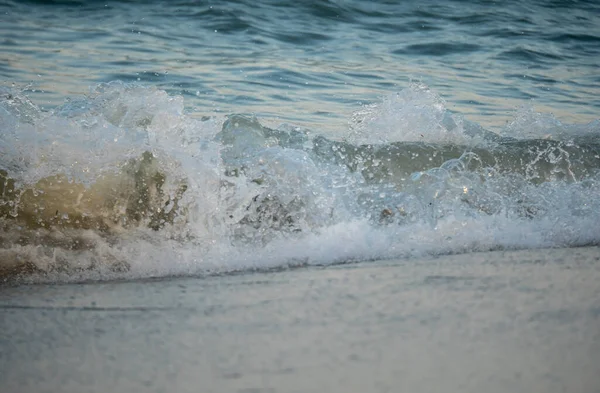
<point>191,138</point>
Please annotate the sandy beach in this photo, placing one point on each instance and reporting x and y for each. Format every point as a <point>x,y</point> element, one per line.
<point>518,321</point>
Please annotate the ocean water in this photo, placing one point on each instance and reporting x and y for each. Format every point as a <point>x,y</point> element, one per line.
<point>176,138</point>
<point>275,196</point>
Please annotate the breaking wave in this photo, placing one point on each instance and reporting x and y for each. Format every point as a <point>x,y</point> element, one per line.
<point>123,183</point>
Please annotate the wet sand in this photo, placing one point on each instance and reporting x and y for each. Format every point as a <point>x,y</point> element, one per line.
<point>518,321</point>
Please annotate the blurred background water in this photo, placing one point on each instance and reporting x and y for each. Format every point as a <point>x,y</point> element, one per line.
<point>312,63</point>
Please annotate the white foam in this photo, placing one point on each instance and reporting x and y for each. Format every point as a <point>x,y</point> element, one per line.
<point>415,114</point>
<point>458,212</point>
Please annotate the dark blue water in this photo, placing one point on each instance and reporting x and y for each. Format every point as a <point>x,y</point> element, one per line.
<point>312,62</point>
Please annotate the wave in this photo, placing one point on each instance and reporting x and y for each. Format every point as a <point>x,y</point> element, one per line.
<point>124,184</point>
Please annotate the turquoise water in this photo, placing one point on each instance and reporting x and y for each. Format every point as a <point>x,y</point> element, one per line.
<point>151,139</point>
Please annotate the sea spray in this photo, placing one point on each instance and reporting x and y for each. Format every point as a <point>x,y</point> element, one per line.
<point>122,183</point>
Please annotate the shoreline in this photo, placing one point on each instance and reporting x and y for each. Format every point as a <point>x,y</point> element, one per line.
<point>31,277</point>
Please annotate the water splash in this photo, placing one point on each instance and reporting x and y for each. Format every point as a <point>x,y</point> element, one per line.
<point>122,183</point>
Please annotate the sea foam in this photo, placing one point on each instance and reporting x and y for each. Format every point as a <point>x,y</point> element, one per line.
<point>123,183</point>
